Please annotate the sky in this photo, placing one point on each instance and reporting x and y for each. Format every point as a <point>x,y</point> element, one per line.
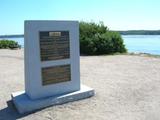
<point>116,14</point>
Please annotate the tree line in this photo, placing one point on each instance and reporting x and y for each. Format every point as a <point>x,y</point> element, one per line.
<point>140,32</point>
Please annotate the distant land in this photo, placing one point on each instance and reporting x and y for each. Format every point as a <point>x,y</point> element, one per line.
<point>12,36</point>
<point>127,32</point>
<point>140,32</point>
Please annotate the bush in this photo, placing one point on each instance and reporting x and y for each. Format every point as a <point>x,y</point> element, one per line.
<point>9,44</point>
<point>96,39</point>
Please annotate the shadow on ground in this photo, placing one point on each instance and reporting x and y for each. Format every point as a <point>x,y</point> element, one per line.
<point>10,112</point>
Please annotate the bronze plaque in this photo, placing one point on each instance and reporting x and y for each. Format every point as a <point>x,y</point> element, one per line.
<point>54,45</point>
<point>56,74</point>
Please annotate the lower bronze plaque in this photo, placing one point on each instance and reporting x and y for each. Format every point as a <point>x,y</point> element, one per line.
<point>56,74</point>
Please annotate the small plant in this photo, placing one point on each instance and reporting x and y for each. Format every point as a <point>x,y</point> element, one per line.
<point>9,44</point>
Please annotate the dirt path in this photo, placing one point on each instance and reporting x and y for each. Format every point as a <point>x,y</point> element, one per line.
<point>127,88</point>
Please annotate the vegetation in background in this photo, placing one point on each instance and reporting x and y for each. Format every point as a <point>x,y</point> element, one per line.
<point>96,39</point>
<point>9,44</point>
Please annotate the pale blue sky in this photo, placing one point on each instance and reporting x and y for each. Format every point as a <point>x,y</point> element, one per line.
<point>116,14</point>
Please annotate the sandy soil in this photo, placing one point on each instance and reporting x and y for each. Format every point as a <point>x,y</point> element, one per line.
<point>127,88</point>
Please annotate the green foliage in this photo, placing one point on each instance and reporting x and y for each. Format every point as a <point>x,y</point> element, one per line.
<point>96,39</point>
<point>9,44</point>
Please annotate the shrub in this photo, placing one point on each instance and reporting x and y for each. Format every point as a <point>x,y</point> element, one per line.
<point>96,39</point>
<point>9,44</point>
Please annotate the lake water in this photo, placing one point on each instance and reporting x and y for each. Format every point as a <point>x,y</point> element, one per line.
<point>134,43</point>
<point>142,43</point>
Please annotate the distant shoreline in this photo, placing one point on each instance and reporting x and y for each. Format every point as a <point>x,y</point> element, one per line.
<point>140,32</point>
<point>12,36</point>
<point>126,32</point>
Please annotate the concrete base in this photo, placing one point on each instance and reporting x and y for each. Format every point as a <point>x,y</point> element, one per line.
<point>25,105</point>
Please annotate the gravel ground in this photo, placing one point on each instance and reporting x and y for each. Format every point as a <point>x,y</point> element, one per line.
<point>127,88</point>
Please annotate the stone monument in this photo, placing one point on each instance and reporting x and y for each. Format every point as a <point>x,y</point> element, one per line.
<point>52,73</point>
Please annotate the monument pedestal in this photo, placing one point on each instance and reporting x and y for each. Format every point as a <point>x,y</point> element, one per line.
<point>51,55</point>
<point>25,105</point>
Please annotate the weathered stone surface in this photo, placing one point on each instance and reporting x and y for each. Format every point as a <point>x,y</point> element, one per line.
<point>24,104</point>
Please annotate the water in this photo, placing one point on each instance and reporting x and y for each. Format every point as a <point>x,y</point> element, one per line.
<point>134,43</point>
<point>142,43</point>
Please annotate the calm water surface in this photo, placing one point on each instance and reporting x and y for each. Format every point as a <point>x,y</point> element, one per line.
<point>142,43</point>
<point>134,43</point>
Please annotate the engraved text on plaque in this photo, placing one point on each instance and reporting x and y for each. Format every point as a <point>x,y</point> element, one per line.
<point>54,45</point>
<point>56,74</point>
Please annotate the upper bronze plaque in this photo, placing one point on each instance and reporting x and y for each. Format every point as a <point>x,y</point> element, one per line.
<point>54,45</point>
